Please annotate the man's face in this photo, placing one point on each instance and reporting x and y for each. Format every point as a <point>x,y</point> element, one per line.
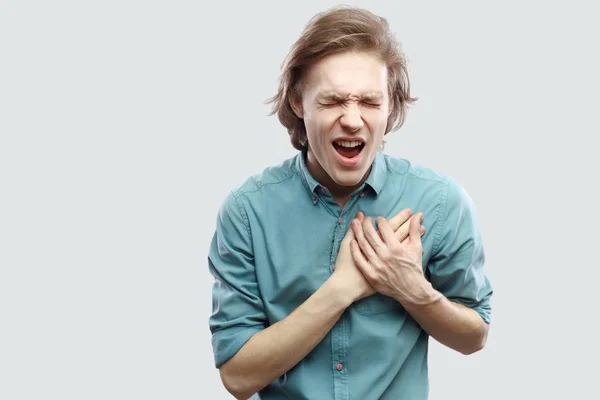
<point>345,106</point>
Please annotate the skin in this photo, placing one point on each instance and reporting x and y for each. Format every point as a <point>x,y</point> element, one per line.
<point>345,95</point>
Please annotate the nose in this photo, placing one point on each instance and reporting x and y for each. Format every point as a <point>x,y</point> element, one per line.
<point>351,118</point>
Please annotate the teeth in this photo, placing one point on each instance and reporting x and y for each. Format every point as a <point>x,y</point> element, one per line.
<point>345,143</point>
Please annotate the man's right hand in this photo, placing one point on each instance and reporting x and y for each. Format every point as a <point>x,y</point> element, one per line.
<point>348,278</point>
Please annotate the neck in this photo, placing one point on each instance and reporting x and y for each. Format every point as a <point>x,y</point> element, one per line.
<point>340,194</point>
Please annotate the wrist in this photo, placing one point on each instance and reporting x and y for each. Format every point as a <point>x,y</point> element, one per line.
<point>339,293</point>
<point>420,294</point>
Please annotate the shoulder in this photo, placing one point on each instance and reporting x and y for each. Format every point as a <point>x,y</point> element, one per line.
<point>233,208</point>
<point>402,167</point>
<point>431,183</point>
<point>424,182</point>
<point>270,175</point>
<point>268,181</point>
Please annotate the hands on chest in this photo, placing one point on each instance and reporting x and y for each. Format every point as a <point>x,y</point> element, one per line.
<point>387,260</point>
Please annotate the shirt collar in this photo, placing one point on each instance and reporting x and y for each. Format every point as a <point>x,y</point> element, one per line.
<point>375,180</point>
<point>377,176</point>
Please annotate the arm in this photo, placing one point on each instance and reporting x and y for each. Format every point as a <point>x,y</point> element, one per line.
<point>461,318</point>
<point>275,350</point>
<point>450,323</point>
<point>453,306</point>
<point>249,355</point>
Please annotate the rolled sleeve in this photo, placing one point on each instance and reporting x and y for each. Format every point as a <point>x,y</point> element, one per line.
<point>457,265</point>
<point>237,308</point>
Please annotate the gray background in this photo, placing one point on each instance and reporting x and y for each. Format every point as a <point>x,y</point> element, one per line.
<point>125,123</point>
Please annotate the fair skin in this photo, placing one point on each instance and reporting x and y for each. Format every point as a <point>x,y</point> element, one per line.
<point>345,97</point>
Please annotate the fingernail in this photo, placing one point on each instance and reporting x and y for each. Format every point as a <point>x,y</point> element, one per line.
<point>421,217</point>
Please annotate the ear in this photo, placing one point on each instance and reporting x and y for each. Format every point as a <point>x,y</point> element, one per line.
<point>296,105</point>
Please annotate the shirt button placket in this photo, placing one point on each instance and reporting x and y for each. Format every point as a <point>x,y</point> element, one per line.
<point>339,335</point>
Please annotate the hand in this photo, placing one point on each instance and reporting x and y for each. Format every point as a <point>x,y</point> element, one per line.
<point>351,281</point>
<point>400,223</point>
<point>391,267</point>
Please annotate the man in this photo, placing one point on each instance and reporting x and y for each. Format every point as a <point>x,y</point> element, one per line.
<point>317,295</point>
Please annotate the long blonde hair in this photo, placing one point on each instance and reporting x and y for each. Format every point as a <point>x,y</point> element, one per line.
<point>338,30</point>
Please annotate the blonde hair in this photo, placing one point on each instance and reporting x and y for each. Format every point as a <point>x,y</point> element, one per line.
<point>335,31</point>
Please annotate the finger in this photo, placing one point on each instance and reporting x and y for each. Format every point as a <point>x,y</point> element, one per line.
<point>386,232</point>
<point>363,243</point>
<point>406,242</point>
<point>402,232</point>
<point>372,235</point>
<point>415,229</point>
<point>399,219</point>
<point>361,262</point>
<point>407,239</point>
<point>360,216</point>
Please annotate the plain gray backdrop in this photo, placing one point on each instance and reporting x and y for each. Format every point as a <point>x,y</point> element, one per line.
<point>124,124</point>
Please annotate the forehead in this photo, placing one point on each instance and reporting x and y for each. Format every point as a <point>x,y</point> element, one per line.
<point>350,73</point>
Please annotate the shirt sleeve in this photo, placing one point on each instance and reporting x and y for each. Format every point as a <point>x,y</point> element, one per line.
<point>456,267</point>
<point>237,308</point>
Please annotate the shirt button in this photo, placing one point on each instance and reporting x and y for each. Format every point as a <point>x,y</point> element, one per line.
<point>322,190</point>
<point>362,194</point>
<point>339,367</point>
<point>340,221</point>
<point>314,197</point>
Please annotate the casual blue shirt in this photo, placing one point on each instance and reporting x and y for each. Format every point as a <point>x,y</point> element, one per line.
<point>277,237</point>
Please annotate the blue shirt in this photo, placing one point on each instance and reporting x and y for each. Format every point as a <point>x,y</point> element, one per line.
<point>277,238</point>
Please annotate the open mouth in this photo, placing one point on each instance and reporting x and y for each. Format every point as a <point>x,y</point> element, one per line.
<point>348,150</point>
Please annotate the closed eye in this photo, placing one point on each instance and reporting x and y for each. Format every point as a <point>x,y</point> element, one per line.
<point>366,103</point>
<point>375,105</point>
<point>328,104</point>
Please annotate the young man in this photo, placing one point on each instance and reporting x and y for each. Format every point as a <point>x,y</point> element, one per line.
<point>317,295</point>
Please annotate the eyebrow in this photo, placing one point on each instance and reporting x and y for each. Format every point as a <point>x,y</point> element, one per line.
<point>334,96</point>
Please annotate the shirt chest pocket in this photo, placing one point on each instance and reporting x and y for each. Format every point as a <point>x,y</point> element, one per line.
<point>377,304</point>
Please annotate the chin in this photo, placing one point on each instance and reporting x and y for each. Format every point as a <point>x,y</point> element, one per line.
<point>348,178</point>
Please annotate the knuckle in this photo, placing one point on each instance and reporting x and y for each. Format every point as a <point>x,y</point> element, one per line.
<point>386,257</point>
<point>362,240</point>
<point>394,250</point>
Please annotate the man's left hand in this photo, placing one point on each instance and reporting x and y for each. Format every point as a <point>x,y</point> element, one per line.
<point>392,268</point>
